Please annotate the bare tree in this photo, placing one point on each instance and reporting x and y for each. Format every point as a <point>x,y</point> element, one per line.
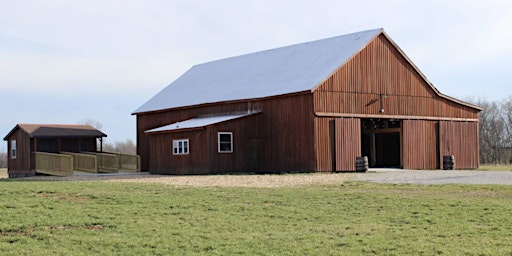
<point>92,123</point>
<point>3,160</point>
<point>124,147</point>
<point>507,114</point>
<point>494,127</point>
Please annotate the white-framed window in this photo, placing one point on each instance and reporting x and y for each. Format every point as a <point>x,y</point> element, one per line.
<point>180,147</point>
<point>13,149</point>
<point>225,142</point>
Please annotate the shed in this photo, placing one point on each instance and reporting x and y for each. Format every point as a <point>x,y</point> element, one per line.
<point>313,106</point>
<point>24,141</point>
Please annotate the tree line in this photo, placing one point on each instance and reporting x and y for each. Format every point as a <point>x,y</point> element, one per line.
<point>495,124</point>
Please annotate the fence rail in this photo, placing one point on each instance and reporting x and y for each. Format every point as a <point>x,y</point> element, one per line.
<point>54,164</point>
<point>128,163</point>
<point>65,163</point>
<point>116,162</point>
<point>83,162</point>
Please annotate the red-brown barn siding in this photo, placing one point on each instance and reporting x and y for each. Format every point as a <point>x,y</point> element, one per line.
<point>285,129</point>
<point>419,146</point>
<point>460,139</point>
<point>162,160</point>
<point>324,144</point>
<point>21,165</point>
<point>347,134</point>
<point>379,69</point>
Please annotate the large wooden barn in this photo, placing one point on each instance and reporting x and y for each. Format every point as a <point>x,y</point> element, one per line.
<point>314,106</point>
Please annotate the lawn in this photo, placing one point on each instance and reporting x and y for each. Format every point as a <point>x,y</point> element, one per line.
<point>495,167</point>
<point>109,218</point>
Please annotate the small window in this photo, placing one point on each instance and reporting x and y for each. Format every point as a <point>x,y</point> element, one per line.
<point>225,142</point>
<point>180,147</point>
<point>13,149</point>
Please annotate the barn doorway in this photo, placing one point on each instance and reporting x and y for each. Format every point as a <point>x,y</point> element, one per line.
<point>381,141</point>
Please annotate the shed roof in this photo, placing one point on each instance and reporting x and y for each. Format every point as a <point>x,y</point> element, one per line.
<point>280,71</point>
<point>58,131</point>
<point>195,123</point>
<point>286,70</point>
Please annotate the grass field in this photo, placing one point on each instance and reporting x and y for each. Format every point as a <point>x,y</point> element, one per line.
<point>493,167</point>
<point>109,218</point>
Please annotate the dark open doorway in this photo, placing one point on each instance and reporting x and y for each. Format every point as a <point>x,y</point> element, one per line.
<point>381,142</point>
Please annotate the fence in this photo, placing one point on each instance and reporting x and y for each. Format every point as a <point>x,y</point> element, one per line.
<point>54,164</point>
<point>115,162</point>
<point>84,162</point>
<point>65,163</point>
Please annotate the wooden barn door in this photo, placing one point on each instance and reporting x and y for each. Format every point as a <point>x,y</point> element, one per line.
<point>347,141</point>
<point>460,139</point>
<point>420,144</point>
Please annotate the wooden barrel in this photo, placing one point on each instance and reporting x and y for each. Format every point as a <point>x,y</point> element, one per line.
<point>448,162</point>
<point>362,164</point>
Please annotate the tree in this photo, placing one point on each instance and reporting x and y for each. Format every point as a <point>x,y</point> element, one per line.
<point>3,160</point>
<point>124,147</point>
<point>92,123</point>
<point>495,124</point>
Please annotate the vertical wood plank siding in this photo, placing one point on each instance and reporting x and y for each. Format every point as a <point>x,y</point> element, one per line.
<point>348,143</point>
<point>284,139</point>
<point>19,167</point>
<point>460,139</point>
<point>324,144</point>
<point>377,70</point>
<point>419,149</point>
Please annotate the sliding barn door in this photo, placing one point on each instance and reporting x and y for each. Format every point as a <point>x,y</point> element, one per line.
<point>460,139</point>
<point>347,143</point>
<point>420,147</point>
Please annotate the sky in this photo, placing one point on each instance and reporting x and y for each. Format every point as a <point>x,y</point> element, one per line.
<point>67,61</point>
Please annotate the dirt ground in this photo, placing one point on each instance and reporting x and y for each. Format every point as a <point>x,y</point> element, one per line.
<point>270,180</point>
<point>396,176</point>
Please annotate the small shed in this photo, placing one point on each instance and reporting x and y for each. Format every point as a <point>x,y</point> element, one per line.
<point>25,141</point>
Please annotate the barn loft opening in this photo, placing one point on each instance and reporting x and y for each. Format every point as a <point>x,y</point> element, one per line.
<point>381,142</point>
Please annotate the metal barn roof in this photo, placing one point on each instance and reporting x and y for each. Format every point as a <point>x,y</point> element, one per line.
<point>198,122</point>
<point>285,70</point>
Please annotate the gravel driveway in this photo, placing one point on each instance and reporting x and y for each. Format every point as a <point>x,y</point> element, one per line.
<point>397,176</point>
<point>435,176</point>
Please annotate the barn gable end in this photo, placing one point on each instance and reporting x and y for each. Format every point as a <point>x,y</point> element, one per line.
<point>380,80</point>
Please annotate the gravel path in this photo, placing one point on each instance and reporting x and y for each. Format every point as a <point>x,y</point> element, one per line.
<point>396,176</point>
<point>435,177</point>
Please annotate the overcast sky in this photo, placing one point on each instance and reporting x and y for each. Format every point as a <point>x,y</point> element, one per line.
<point>67,61</point>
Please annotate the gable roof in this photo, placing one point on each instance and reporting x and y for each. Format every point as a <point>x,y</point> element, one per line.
<point>286,70</point>
<point>58,131</point>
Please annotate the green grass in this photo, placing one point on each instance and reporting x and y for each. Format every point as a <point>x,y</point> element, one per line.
<point>494,167</point>
<point>99,218</point>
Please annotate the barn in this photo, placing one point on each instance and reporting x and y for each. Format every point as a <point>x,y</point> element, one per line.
<point>309,107</point>
<point>30,145</point>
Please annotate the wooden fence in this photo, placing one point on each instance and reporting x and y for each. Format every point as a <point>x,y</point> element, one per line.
<point>54,164</point>
<point>104,162</point>
<point>83,162</point>
<point>65,163</point>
